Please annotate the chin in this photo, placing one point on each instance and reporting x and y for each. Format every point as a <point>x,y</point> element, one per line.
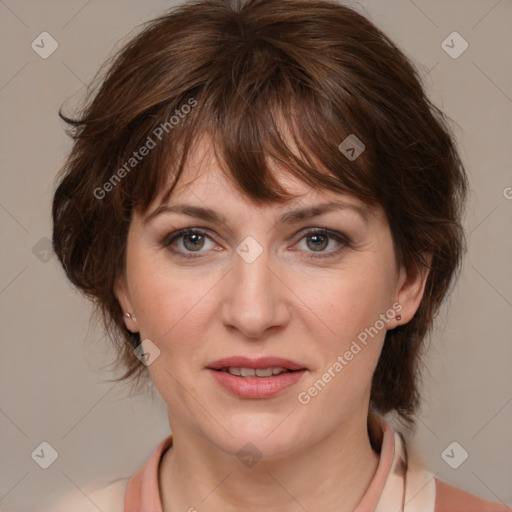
<point>258,435</point>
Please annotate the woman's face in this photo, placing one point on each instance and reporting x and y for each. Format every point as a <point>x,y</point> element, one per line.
<point>318,291</point>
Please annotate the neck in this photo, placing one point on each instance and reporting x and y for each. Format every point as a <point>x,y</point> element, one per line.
<point>331,475</point>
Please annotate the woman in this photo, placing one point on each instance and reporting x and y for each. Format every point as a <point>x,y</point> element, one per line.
<point>266,208</point>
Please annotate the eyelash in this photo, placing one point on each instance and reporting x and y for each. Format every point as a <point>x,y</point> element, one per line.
<point>339,237</point>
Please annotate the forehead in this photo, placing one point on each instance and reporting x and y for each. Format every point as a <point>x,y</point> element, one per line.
<point>204,180</point>
<point>206,192</point>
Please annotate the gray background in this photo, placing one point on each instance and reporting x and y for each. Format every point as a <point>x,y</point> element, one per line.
<point>54,359</point>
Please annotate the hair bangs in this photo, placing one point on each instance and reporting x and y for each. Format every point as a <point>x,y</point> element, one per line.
<point>257,130</point>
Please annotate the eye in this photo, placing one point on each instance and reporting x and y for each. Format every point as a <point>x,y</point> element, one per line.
<point>192,240</point>
<point>318,239</point>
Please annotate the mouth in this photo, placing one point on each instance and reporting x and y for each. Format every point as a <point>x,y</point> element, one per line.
<point>271,371</point>
<point>263,367</point>
<point>248,378</point>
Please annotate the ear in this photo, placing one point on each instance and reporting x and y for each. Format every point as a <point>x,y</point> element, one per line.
<point>123,297</point>
<point>411,286</point>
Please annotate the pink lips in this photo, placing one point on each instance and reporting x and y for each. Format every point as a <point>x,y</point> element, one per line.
<point>256,387</point>
<point>262,362</point>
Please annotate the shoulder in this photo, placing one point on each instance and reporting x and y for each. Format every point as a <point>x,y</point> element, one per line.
<point>426,493</point>
<point>107,498</point>
<point>453,499</point>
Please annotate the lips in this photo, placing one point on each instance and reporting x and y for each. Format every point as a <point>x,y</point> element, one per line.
<point>234,375</point>
<point>262,362</point>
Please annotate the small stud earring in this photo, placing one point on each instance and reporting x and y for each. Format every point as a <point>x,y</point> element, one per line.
<point>399,318</point>
<point>127,315</point>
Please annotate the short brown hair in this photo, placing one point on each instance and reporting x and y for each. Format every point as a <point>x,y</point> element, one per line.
<point>240,67</point>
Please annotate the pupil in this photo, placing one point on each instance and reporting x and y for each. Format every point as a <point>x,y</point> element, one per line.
<point>321,246</point>
<point>194,236</point>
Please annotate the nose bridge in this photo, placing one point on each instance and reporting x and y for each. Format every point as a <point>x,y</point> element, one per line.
<point>254,300</point>
<point>252,269</point>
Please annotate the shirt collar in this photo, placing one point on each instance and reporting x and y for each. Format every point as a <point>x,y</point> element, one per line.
<point>384,493</point>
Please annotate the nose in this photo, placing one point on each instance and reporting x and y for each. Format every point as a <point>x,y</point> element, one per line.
<point>255,299</point>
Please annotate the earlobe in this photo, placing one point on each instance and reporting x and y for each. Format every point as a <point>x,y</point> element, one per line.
<point>122,295</point>
<point>412,288</point>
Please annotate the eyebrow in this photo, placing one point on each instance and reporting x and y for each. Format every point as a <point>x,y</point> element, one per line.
<point>290,217</point>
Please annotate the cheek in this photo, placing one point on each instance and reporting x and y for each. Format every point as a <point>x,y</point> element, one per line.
<point>356,300</point>
<point>170,314</point>
<point>356,309</point>
<point>172,305</point>
<point>349,354</point>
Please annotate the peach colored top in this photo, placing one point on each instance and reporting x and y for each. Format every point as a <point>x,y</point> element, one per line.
<point>423,492</point>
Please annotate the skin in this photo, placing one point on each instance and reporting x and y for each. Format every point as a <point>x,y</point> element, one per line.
<point>316,456</point>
